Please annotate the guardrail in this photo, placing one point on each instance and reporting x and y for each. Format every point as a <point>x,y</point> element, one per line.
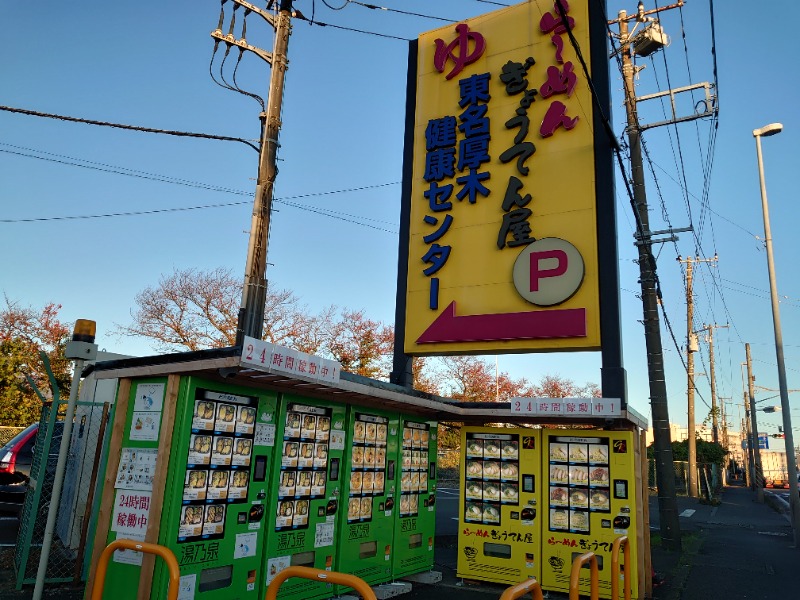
<point>358,584</point>
<point>575,576</point>
<point>124,544</point>
<point>519,590</point>
<point>620,542</point>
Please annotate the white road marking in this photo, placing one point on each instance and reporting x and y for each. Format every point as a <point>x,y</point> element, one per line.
<point>687,513</point>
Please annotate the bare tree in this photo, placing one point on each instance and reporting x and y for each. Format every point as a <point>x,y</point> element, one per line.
<point>192,309</point>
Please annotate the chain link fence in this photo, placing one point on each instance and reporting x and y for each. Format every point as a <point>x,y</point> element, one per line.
<point>6,433</point>
<point>69,543</point>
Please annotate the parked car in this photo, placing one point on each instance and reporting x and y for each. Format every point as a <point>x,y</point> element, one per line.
<point>16,458</point>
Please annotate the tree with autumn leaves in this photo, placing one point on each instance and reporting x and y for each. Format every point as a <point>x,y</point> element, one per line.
<point>24,333</point>
<point>194,309</point>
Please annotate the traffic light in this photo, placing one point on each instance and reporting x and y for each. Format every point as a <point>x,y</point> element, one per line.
<point>779,436</point>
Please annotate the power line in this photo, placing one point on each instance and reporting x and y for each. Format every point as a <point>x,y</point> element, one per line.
<point>208,136</point>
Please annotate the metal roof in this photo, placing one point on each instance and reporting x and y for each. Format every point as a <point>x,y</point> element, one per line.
<point>225,366</point>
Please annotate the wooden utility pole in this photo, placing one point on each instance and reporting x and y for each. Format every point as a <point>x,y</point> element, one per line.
<point>254,292</point>
<point>662,445</point>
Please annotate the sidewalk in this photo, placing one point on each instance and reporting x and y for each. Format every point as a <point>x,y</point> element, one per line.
<point>739,549</point>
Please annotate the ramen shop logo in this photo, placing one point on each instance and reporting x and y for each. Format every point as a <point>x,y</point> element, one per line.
<point>459,50</point>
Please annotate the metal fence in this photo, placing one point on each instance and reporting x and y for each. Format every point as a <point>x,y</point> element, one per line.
<point>707,477</point>
<point>69,543</point>
<point>6,433</point>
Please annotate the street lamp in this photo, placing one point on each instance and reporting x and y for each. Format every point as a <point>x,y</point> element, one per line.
<point>791,463</point>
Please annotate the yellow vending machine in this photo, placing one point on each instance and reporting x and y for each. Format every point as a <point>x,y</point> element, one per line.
<point>590,500</point>
<point>500,505</point>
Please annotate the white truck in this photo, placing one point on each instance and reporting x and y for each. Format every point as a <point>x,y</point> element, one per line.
<point>773,463</point>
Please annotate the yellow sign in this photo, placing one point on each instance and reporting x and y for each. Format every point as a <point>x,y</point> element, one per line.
<point>503,240</point>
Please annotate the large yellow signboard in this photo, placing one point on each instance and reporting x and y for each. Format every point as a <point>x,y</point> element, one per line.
<point>503,239</point>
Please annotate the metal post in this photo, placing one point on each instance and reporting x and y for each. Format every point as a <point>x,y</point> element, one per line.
<point>758,470</point>
<point>665,475</point>
<point>80,349</point>
<point>791,462</point>
<point>251,312</point>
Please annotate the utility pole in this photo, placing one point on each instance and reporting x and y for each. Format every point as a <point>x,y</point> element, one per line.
<point>665,474</point>
<point>759,471</point>
<point>254,292</point>
<point>725,441</point>
<point>714,409</point>
<point>691,348</point>
<point>747,453</point>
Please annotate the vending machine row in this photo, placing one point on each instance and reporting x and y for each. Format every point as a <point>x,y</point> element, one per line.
<point>259,481</point>
<point>534,499</point>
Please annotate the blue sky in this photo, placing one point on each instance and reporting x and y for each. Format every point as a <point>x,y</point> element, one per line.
<point>147,64</point>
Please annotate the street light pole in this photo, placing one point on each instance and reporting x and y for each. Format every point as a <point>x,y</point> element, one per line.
<point>791,462</point>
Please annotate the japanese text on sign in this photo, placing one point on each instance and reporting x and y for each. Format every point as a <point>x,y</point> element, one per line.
<point>131,512</point>
<point>271,358</point>
<point>567,407</point>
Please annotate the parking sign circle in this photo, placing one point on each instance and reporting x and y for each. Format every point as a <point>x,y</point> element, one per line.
<point>548,271</point>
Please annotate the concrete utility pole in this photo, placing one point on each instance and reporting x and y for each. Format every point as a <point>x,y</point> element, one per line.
<point>758,470</point>
<point>254,292</point>
<point>691,348</point>
<point>748,447</point>
<point>714,410</point>
<point>665,474</point>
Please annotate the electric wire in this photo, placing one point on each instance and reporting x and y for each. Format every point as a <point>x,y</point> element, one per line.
<point>398,11</point>
<point>208,136</point>
<point>302,17</point>
<point>70,161</point>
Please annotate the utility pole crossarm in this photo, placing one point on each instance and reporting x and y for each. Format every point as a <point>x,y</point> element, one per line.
<point>242,43</point>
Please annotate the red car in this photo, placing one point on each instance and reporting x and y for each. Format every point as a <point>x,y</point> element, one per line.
<point>16,458</point>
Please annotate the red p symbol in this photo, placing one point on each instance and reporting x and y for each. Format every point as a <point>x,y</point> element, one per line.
<point>538,273</point>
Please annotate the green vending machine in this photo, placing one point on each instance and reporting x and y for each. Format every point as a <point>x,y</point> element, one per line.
<point>212,517</point>
<point>415,520</point>
<point>366,535</point>
<point>305,494</point>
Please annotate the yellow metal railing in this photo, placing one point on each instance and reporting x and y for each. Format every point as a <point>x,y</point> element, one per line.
<point>358,584</point>
<point>620,542</point>
<point>575,576</point>
<point>123,544</point>
<point>519,590</point>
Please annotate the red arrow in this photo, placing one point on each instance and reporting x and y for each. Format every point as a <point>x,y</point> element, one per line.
<point>540,324</point>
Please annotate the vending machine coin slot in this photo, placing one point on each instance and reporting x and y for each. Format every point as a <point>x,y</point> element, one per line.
<point>390,470</point>
<point>432,471</point>
<point>215,578</point>
<point>334,475</point>
<point>497,550</point>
